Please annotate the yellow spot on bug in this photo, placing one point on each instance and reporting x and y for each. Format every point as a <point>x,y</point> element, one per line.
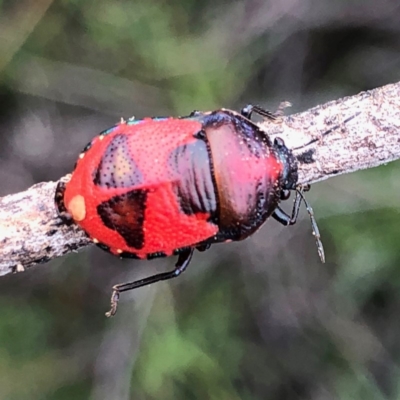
<point>123,121</point>
<point>77,208</point>
<point>95,240</point>
<point>101,137</point>
<point>119,251</point>
<point>81,155</point>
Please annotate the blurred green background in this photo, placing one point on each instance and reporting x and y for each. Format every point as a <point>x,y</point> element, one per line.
<point>262,319</point>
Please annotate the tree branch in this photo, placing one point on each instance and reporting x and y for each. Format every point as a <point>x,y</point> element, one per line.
<point>341,136</point>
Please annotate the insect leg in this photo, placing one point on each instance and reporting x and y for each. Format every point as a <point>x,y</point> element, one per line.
<point>183,261</point>
<point>249,109</point>
<point>286,219</point>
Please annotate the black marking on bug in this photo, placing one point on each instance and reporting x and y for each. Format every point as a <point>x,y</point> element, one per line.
<point>289,175</point>
<point>126,254</point>
<point>203,246</point>
<point>107,131</point>
<point>125,214</point>
<point>195,190</point>
<point>307,157</point>
<point>87,147</point>
<point>158,254</point>
<point>177,252</point>
<point>117,169</point>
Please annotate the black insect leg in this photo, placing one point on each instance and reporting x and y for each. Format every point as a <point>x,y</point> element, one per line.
<point>183,261</point>
<point>203,247</point>
<point>285,219</point>
<point>249,109</point>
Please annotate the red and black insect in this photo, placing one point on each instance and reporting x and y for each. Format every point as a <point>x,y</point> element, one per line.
<point>166,186</point>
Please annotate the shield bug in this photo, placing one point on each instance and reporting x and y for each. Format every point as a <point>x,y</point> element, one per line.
<point>159,187</point>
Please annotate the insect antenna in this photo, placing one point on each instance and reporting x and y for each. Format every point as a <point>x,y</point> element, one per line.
<point>314,226</point>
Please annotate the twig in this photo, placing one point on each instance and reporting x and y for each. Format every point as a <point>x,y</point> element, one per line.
<point>341,136</point>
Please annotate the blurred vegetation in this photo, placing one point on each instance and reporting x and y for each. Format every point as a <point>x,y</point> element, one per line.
<point>262,319</point>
